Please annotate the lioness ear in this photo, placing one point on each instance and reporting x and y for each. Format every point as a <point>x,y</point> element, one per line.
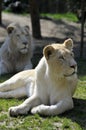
<point>69,44</point>
<point>48,51</point>
<point>10,29</point>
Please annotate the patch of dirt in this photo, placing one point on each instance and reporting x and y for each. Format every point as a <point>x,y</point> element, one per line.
<point>51,30</point>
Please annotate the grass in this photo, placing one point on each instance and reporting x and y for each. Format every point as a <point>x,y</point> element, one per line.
<point>67,16</point>
<point>74,119</point>
<point>20,14</point>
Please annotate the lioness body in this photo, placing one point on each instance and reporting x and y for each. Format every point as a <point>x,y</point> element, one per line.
<point>16,52</point>
<point>50,86</point>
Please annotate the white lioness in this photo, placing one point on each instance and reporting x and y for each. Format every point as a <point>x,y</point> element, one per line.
<point>50,86</point>
<point>16,52</point>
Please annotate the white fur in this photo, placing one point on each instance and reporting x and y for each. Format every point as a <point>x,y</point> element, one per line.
<point>14,54</point>
<point>50,85</point>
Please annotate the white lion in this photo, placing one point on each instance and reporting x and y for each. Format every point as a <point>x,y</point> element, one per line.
<point>50,86</point>
<point>16,52</point>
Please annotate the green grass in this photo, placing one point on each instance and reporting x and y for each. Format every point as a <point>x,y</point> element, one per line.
<point>74,119</point>
<point>20,14</point>
<point>67,16</point>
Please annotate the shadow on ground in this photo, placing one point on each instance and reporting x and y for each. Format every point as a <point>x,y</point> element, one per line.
<point>78,113</point>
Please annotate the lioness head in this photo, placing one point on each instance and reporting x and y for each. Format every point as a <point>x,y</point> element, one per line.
<point>20,37</point>
<point>60,58</point>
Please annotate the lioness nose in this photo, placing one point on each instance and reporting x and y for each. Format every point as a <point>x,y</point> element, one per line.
<point>25,43</point>
<point>73,66</point>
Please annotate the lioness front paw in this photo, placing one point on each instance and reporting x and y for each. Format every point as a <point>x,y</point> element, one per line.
<point>13,111</point>
<point>39,109</point>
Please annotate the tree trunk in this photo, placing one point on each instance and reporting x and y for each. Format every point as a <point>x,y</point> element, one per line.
<point>0,12</point>
<point>82,28</point>
<point>34,11</point>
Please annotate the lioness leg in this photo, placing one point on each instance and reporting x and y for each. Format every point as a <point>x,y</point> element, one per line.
<point>25,107</point>
<point>52,110</point>
<point>11,84</point>
<point>17,93</point>
<point>19,80</point>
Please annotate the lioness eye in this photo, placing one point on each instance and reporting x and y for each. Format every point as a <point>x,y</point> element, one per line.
<point>18,35</point>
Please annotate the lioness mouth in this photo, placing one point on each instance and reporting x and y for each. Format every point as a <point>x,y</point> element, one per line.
<point>70,74</point>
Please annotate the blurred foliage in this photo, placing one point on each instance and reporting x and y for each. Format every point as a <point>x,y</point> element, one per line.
<point>53,6</point>
<point>59,6</point>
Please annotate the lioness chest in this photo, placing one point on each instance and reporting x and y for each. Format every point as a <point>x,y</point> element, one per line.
<point>51,93</point>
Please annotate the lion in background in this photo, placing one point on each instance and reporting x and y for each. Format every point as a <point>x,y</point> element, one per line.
<point>49,87</point>
<point>16,52</point>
